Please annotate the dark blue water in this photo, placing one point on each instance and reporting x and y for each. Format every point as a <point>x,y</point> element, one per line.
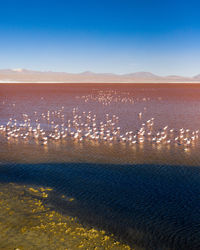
<point>148,206</point>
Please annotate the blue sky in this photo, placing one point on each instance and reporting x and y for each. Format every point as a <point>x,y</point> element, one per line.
<point>118,36</point>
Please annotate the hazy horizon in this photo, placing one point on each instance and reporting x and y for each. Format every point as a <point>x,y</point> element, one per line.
<point>24,70</point>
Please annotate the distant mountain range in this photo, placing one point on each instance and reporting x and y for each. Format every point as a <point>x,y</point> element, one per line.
<point>29,76</point>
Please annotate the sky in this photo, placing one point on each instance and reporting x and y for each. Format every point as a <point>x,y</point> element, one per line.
<point>111,36</point>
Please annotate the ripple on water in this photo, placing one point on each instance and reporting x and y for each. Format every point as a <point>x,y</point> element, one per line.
<point>152,206</point>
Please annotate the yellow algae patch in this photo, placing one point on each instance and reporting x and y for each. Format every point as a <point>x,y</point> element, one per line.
<point>27,223</point>
<point>44,195</point>
<point>33,190</point>
<point>45,189</point>
<point>67,198</point>
<point>42,192</point>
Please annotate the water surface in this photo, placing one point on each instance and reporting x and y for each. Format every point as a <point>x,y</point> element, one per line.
<point>146,193</point>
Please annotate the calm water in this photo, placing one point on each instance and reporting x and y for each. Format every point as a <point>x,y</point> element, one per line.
<point>153,202</point>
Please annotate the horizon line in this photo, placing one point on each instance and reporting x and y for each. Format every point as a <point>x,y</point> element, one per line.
<point>22,70</point>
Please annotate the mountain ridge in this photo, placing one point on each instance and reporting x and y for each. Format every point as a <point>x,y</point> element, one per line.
<point>25,75</point>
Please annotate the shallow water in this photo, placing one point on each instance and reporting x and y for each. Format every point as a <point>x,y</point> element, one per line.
<point>152,203</point>
<point>176,107</point>
<point>28,221</point>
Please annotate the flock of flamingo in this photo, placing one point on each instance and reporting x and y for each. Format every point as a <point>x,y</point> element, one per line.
<point>54,126</point>
<point>112,96</point>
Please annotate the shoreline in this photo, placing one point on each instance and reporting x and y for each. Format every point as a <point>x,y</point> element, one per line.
<point>131,202</point>
<point>107,83</point>
<point>29,222</point>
